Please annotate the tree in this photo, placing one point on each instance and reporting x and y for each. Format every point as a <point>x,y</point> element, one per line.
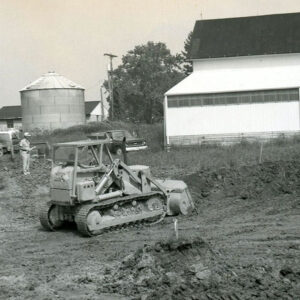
<point>187,65</point>
<point>140,82</point>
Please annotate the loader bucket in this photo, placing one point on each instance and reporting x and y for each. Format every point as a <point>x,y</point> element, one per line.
<point>179,200</point>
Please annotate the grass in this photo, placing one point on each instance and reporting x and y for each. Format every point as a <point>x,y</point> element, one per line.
<point>183,160</point>
<point>187,160</point>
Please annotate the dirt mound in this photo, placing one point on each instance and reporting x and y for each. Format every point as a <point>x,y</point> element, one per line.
<point>257,181</point>
<point>189,269</point>
<point>164,269</point>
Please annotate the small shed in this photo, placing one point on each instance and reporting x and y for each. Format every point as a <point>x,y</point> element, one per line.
<point>94,113</point>
<point>10,117</point>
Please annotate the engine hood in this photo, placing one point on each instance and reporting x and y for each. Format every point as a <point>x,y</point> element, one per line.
<point>133,141</point>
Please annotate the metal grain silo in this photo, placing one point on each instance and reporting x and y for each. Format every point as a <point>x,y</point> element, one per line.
<point>51,102</point>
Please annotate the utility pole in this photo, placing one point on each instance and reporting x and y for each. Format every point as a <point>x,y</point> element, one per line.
<point>102,104</point>
<point>110,82</point>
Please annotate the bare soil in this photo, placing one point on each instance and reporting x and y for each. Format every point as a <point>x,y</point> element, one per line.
<point>242,242</point>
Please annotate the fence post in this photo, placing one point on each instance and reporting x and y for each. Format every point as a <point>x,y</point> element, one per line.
<point>12,152</point>
<point>261,151</point>
<point>176,228</point>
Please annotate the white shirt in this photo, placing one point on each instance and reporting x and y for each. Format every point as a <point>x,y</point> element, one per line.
<point>25,145</point>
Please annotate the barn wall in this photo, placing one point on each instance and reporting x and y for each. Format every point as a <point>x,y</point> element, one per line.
<point>18,124</point>
<point>96,114</point>
<point>3,124</point>
<point>233,118</point>
<point>185,125</point>
<point>93,118</point>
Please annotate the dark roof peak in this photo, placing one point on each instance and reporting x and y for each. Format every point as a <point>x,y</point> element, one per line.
<point>252,16</point>
<point>90,106</point>
<point>11,112</point>
<point>243,36</point>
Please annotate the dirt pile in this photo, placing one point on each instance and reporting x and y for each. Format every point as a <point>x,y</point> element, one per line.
<point>189,269</point>
<point>164,270</point>
<point>257,181</point>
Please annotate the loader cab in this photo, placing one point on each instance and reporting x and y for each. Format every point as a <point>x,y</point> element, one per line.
<point>65,156</point>
<point>83,154</point>
<point>72,164</point>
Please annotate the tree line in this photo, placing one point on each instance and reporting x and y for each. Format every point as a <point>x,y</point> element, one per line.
<point>140,81</point>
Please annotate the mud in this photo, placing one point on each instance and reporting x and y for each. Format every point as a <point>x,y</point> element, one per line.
<point>242,243</point>
<point>249,182</point>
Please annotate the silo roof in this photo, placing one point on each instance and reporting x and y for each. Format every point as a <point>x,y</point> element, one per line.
<point>52,80</point>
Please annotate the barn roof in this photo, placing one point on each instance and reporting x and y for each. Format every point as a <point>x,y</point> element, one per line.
<point>11,112</point>
<point>258,35</point>
<point>90,106</point>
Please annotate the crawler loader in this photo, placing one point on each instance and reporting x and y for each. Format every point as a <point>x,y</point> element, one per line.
<point>99,193</point>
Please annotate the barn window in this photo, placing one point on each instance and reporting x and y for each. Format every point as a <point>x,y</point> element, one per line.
<point>172,103</point>
<point>256,98</point>
<point>220,100</point>
<point>207,101</point>
<point>10,123</point>
<point>233,98</point>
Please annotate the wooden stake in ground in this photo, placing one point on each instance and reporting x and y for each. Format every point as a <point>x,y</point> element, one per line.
<point>176,228</point>
<point>261,152</point>
<point>12,152</point>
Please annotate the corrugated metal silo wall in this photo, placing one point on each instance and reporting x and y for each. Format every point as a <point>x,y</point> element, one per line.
<point>52,108</point>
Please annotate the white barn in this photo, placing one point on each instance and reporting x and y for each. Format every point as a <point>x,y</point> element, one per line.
<point>245,82</point>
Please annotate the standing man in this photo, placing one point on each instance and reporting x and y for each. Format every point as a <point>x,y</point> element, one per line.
<point>25,152</point>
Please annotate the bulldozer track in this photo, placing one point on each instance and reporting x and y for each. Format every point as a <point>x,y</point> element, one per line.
<point>126,199</point>
<point>80,219</point>
<point>124,222</point>
<point>44,217</point>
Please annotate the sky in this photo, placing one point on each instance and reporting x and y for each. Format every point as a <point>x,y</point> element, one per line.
<point>70,37</point>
